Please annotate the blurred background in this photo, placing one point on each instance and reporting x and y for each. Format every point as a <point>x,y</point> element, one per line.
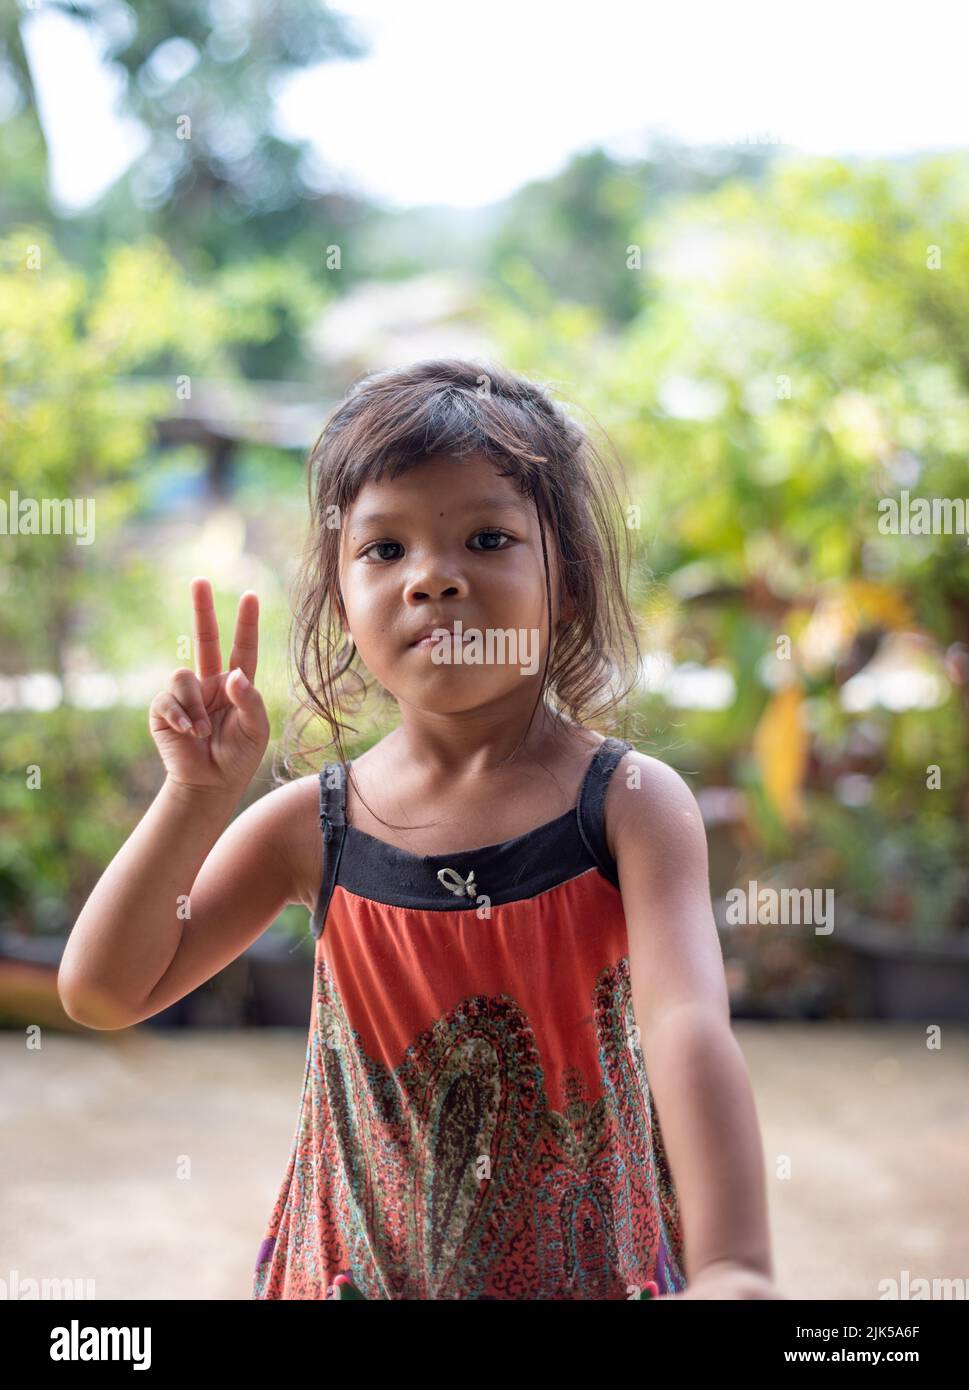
<point>743,254</point>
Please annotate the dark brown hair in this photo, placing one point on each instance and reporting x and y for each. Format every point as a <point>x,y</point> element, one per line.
<point>386,424</point>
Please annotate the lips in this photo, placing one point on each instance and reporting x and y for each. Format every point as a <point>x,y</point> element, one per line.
<point>430,641</point>
<point>427,633</point>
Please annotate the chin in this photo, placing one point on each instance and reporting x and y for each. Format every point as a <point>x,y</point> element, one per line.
<point>452,698</point>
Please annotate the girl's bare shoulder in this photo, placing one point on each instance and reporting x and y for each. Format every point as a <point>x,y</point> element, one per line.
<point>299,811</point>
<point>649,807</point>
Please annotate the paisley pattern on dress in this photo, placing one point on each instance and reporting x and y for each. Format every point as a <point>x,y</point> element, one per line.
<point>451,1177</point>
<point>476,1120</point>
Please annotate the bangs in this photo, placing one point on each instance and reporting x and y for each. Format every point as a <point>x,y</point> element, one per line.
<point>391,437</point>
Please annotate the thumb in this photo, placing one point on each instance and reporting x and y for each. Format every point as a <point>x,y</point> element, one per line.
<point>242,693</point>
<point>253,721</point>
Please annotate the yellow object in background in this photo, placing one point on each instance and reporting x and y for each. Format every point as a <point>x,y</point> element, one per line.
<point>781,750</point>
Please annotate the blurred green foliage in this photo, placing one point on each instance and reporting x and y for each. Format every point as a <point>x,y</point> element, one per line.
<point>773,351</point>
<point>76,422</point>
<point>799,357</point>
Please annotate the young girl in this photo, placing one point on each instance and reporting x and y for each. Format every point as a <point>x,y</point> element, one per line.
<point>517,971</point>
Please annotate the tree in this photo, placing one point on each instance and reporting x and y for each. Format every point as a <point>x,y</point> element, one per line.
<point>215,181</point>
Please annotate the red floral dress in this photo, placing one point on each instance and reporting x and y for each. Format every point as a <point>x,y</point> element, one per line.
<point>476,1120</point>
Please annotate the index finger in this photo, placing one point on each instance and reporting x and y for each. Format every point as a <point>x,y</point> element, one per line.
<point>245,644</point>
<point>205,630</point>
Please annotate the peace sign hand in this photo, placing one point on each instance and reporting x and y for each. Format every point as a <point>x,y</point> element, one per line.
<point>231,727</point>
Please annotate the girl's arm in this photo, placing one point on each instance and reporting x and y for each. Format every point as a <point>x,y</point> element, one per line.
<point>179,902</point>
<point>694,1065</point>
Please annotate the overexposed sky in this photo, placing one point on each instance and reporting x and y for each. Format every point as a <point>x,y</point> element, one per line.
<point>461,103</point>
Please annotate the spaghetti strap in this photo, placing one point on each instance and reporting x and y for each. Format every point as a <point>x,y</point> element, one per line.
<point>591,806</point>
<point>333,824</point>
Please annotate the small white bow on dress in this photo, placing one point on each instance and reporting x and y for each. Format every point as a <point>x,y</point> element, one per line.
<point>459,886</point>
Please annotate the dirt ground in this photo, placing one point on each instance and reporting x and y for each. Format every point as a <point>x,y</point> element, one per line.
<point>148,1161</point>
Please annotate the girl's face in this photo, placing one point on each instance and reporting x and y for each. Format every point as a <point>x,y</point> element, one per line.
<point>450,540</point>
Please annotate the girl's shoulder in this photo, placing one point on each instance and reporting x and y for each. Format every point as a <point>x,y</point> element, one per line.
<point>299,809</point>
<point>649,808</point>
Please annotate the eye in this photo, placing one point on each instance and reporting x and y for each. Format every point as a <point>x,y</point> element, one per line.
<point>502,535</point>
<point>376,545</point>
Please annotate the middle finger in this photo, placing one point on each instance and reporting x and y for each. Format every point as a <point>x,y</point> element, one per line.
<point>245,645</point>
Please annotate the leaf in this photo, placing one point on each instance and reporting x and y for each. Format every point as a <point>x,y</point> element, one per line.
<point>780,747</point>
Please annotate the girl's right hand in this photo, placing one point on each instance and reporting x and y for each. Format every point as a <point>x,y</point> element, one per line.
<point>231,717</point>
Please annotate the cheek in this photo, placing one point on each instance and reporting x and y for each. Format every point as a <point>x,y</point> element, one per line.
<point>523,575</point>
<point>363,589</point>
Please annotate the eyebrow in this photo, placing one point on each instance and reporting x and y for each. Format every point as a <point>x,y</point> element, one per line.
<point>480,504</point>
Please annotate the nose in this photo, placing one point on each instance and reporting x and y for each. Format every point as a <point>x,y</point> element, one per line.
<point>430,586</point>
<point>449,591</point>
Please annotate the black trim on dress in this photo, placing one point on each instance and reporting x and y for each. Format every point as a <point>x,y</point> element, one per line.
<point>515,869</point>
